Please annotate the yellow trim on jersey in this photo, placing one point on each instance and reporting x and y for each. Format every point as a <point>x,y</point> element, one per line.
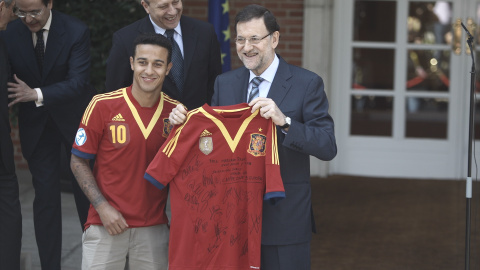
<point>275,158</point>
<point>231,142</point>
<point>169,99</point>
<point>97,98</point>
<point>172,144</point>
<point>145,131</point>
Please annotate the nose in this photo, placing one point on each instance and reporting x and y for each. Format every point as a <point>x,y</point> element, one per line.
<point>28,19</point>
<point>171,9</point>
<point>247,46</point>
<point>149,69</point>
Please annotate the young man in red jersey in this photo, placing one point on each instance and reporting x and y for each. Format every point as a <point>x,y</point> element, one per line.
<point>123,131</point>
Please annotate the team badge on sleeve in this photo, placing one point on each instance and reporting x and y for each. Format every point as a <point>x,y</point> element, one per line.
<point>167,127</point>
<point>81,137</point>
<point>205,144</point>
<point>257,145</point>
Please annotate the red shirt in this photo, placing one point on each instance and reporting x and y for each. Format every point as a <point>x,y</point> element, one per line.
<point>124,137</point>
<point>220,165</point>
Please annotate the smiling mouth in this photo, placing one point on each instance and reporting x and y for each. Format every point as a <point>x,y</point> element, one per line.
<point>171,19</point>
<point>148,79</point>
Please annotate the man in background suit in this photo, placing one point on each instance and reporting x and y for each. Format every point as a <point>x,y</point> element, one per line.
<point>295,100</point>
<point>49,54</point>
<point>196,40</point>
<point>10,212</point>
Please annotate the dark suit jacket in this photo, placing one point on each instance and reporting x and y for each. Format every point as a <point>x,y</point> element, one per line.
<point>300,95</point>
<point>202,61</point>
<point>6,146</point>
<point>65,80</point>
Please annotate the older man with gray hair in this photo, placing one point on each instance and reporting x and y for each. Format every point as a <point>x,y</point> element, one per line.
<point>10,213</point>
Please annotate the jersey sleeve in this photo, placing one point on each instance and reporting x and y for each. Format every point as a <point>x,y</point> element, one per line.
<point>89,132</point>
<point>167,162</point>
<point>274,190</point>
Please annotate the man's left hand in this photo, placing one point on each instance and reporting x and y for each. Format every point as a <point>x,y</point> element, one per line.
<point>268,109</point>
<point>20,92</point>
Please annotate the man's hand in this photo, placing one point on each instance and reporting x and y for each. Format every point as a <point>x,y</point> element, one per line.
<point>178,115</point>
<point>20,92</point>
<point>268,109</point>
<point>112,220</point>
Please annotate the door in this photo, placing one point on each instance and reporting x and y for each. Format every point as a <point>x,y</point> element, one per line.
<point>400,87</point>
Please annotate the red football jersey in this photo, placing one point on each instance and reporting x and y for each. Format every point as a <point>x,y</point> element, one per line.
<point>124,137</point>
<point>220,164</point>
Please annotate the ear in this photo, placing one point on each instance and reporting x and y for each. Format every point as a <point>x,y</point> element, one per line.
<point>169,66</point>
<point>50,4</point>
<point>275,39</point>
<point>145,6</point>
<point>2,5</point>
<point>131,62</point>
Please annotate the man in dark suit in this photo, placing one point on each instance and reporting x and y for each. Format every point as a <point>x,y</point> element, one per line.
<point>295,100</point>
<point>10,212</point>
<point>49,54</point>
<point>197,43</point>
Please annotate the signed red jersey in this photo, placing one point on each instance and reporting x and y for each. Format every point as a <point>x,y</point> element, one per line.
<point>124,137</point>
<point>220,165</point>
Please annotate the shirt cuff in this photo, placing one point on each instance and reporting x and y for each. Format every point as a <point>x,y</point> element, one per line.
<point>39,101</point>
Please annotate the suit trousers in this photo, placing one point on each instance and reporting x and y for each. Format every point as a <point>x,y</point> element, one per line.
<point>286,257</point>
<point>45,167</point>
<point>10,220</point>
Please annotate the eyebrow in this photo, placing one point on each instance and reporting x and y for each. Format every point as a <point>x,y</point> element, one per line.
<point>156,60</point>
<point>35,10</point>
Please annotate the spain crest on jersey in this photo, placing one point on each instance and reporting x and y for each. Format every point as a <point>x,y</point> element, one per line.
<point>257,144</point>
<point>205,144</point>
<point>167,127</point>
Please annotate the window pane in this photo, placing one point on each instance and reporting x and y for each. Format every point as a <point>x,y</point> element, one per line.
<point>373,68</point>
<point>374,21</point>
<point>428,70</point>
<point>371,115</point>
<point>429,22</point>
<point>426,118</point>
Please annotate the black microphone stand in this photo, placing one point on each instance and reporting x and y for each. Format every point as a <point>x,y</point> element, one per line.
<point>470,142</point>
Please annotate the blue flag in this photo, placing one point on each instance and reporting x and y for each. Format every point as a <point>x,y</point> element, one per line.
<point>218,16</point>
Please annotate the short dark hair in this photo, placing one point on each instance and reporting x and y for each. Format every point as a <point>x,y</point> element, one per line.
<point>254,12</point>
<point>153,39</point>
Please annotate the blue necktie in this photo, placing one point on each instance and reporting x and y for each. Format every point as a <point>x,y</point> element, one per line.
<point>254,92</point>
<point>177,60</point>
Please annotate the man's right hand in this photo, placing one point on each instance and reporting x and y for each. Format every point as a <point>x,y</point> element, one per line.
<point>178,115</point>
<point>112,220</point>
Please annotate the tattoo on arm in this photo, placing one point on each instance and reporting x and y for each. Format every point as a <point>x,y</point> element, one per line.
<point>84,175</point>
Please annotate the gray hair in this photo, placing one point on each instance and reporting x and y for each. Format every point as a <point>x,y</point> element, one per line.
<point>7,2</point>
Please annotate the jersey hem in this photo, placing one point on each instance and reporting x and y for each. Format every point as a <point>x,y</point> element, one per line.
<point>82,154</point>
<point>153,181</point>
<point>274,197</point>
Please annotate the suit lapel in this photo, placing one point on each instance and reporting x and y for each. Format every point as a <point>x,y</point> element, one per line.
<point>280,85</point>
<point>55,43</point>
<point>241,89</point>
<point>189,37</point>
<point>146,26</point>
<point>25,41</point>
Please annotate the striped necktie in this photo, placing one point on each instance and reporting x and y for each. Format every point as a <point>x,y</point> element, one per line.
<point>254,92</point>
<point>177,60</point>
